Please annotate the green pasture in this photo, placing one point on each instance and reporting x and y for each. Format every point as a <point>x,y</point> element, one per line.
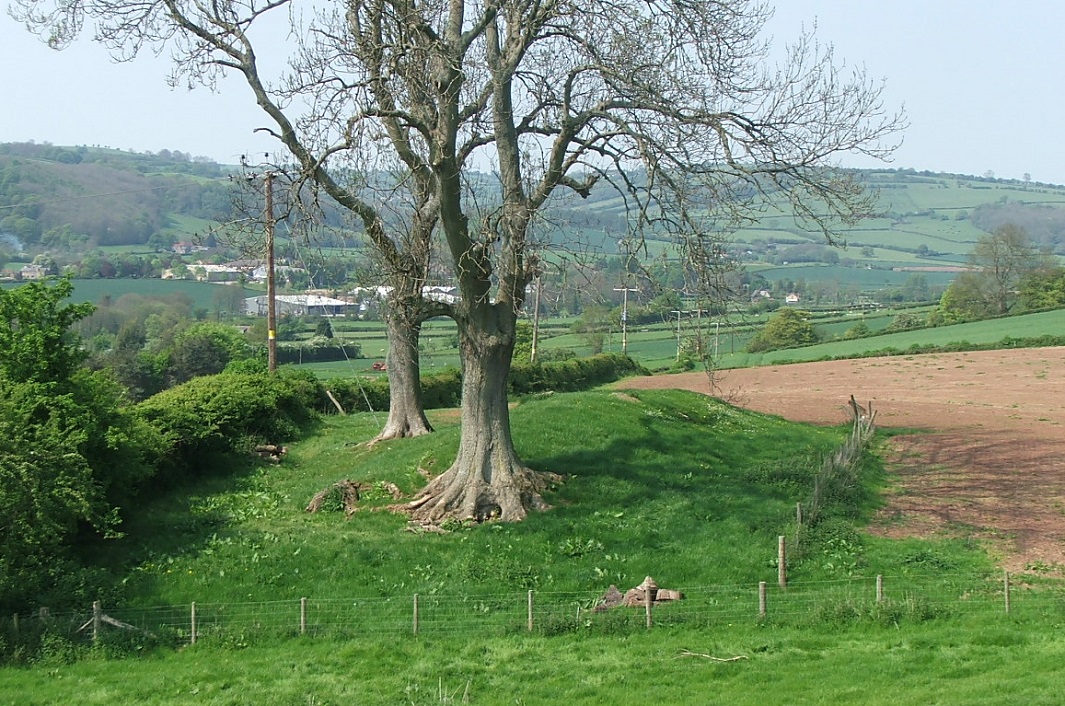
<point>204,295</point>
<point>865,278</point>
<point>1011,663</point>
<point>183,227</point>
<point>950,195</point>
<point>667,484</point>
<point>655,345</point>
<point>1050,323</point>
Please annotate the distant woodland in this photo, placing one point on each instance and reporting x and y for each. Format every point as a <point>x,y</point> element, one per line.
<point>60,196</point>
<point>56,198</point>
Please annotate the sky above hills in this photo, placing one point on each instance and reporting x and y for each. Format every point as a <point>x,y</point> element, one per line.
<point>979,80</point>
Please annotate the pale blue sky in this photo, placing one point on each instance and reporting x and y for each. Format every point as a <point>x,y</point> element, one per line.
<point>981,81</point>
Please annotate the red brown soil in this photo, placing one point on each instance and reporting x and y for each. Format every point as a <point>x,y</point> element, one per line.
<point>987,461</point>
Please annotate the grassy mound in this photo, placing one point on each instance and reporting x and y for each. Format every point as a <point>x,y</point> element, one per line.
<point>652,480</point>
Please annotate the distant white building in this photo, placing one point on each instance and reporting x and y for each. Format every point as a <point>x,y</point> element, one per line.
<point>435,292</point>
<point>440,293</point>
<point>792,298</point>
<point>261,272</point>
<point>299,305</point>
<point>206,272</point>
<point>33,272</point>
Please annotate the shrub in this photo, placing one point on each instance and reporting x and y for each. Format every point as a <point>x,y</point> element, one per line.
<point>209,417</point>
<point>319,349</point>
<point>786,328</point>
<point>205,348</point>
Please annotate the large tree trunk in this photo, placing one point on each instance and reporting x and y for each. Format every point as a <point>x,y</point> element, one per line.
<point>487,480</point>
<point>406,415</point>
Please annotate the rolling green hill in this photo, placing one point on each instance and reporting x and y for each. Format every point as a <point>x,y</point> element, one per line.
<point>73,197</point>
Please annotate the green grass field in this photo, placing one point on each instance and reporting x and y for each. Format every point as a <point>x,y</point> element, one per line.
<point>1008,663</point>
<point>655,345</point>
<point>204,295</point>
<point>663,483</point>
<point>1050,323</point>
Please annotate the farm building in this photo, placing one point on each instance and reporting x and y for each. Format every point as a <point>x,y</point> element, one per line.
<point>299,305</point>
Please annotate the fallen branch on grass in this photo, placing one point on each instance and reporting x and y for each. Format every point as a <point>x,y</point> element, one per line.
<point>686,653</point>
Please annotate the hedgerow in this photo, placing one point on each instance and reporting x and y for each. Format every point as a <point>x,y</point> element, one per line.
<point>209,417</point>
<point>444,389</point>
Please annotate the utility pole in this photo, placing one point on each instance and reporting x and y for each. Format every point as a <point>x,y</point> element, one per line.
<point>271,293</point>
<point>536,320</point>
<point>678,313</point>
<point>625,317</point>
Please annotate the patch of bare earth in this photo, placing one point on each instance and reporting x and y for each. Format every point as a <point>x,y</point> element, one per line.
<point>987,459</point>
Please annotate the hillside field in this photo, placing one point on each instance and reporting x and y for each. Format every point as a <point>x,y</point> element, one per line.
<point>661,482</point>
<point>988,461</point>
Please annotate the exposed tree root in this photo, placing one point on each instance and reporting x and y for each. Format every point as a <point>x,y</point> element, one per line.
<point>464,496</point>
<point>406,431</point>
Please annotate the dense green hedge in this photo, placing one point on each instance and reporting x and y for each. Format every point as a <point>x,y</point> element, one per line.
<point>444,389</point>
<point>209,417</point>
<point>571,375</point>
<point>317,350</point>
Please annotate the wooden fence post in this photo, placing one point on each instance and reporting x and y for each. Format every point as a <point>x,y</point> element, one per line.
<point>415,613</point>
<point>782,562</point>
<point>96,622</point>
<point>879,588</point>
<point>192,624</point>
<point>1006,589</point>
<point>761,599</point>
<point>303,616</point>
<point>530,612</point>
<point>647,605</point>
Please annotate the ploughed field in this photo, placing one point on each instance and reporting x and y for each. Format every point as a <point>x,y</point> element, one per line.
<point>986,458</point>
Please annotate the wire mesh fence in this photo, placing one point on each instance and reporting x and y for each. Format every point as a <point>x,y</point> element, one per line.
<point>886,599</point>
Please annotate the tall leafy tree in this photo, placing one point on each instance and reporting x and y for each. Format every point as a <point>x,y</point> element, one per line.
<point>786,328</point>
<point>35,332</point>
<point>999,263</point>
<point>677,104</point>
<point>1003,259</point>
<point>70,449</point>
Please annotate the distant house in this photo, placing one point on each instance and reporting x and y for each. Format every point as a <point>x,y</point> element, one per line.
<point>791,298</point>
<point>761,294</point>
<point>205,272</point>
<point>33,272</point>
<point>187,248</point>
<point>299,305</point>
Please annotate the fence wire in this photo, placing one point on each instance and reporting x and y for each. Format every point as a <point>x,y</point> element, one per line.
<point>887,599</point>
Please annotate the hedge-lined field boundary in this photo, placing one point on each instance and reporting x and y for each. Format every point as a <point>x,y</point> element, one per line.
<point>444,389</point>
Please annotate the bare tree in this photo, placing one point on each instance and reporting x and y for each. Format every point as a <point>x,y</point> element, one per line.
<point>675,103</point>
<point>1000,261</point>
